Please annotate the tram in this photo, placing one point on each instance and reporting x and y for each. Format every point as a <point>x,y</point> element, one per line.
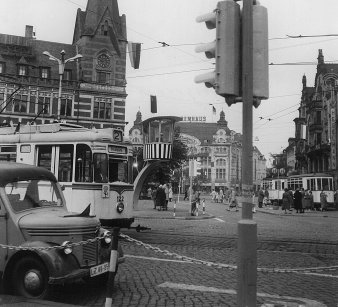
<point>275,187</point>
<point>316,183</point>
<point>94,166</point>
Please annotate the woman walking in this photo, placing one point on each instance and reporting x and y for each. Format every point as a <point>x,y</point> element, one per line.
<point>286,201</point>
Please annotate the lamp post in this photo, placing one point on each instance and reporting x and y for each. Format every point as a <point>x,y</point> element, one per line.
<point>62,63</point>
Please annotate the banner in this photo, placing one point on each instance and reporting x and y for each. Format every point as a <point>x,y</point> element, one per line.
<point>134,54</point>
<point>153,104</point>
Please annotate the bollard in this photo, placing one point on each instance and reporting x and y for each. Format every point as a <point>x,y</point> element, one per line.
<point>112,268</point>
<point>203,206</point>
<point>175,208</point>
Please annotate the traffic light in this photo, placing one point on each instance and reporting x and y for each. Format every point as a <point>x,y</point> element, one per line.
<point>198,167</point>
<point>260,53</point>
<point>225,49</point>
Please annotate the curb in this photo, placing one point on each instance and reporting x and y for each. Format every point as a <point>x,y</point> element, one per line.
<point>176,217</point>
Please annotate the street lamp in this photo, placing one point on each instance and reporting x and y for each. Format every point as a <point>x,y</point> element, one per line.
<point>62,62</point>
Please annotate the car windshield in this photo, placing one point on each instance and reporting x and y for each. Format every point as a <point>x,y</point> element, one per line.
<point>25,195</point>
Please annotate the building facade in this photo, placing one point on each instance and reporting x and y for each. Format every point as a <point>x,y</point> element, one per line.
<point>316,127</point>
<point>218,148</point>
<point>93,87</point>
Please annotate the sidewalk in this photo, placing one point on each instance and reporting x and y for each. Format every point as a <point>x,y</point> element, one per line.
<point>9,300</point>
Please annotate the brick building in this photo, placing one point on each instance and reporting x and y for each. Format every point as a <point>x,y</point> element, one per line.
<point>93,87</point>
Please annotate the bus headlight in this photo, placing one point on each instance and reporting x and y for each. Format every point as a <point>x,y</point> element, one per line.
<point>120,207</point>
<point>67,247</point>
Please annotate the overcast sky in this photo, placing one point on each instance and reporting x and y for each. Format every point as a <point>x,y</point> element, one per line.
<point>168,72</point>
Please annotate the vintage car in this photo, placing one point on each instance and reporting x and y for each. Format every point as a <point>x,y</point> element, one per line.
<point>41,242</point>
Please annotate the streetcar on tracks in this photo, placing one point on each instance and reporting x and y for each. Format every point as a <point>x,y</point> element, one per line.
<point>275,187</point>
<point>94,166</point>
<point>316,183</point>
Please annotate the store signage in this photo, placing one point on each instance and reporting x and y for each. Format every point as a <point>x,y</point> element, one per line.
<point>194,118</point>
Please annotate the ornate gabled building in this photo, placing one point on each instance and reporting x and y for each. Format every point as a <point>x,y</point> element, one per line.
<point>93,87</point>
<point>316,126</point>
<point>218,148</point>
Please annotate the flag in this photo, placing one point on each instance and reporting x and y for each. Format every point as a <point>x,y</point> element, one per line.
<point>114,40</point>
<point>213,110</point>
<point>153,104</point>
<point>134,54</point>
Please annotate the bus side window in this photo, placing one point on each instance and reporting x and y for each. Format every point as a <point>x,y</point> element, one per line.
<point>83,164</point>
<point>65,169</point>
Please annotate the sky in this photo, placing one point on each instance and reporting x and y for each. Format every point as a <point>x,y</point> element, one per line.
<point>169,72</point>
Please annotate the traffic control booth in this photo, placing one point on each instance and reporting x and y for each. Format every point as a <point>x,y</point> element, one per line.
<point>158,138</point>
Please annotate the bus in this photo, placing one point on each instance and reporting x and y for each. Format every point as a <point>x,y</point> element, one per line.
<point>275,187</point>
<point>316,183</point>
<point>94,166</point>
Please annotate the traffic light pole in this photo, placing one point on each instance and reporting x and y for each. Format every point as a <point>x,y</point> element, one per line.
<point>247,228</point>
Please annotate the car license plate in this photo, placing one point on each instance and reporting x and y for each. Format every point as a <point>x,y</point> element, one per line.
<point>99,269</point>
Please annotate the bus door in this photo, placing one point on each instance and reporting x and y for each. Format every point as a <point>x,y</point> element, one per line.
<point>58,159</point>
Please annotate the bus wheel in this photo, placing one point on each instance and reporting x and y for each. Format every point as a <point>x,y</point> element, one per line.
<point>30,278</point>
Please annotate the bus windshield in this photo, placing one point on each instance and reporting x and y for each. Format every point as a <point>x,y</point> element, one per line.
<point>118,169</point>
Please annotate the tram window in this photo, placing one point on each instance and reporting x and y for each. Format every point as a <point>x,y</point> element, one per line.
<point>65,171</point>
<point>311,184</point>
<point>319,184</point>
<point>118,170</point>
<point>325,182</point>
<point>100,168</point>
<point>45,157</point>
<point>83,164</point>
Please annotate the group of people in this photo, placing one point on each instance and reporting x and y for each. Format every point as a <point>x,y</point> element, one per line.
<point>301,200</point>
<point>161,196</point>
<point>229,196</point>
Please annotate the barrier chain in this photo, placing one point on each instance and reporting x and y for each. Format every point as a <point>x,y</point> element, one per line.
<point>222,265</point>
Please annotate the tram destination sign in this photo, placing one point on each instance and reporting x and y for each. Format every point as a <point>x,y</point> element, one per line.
<point>117,149</point>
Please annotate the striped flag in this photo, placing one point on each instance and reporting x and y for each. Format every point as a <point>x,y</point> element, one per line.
<point>134,54</point>
<point>153,104</point>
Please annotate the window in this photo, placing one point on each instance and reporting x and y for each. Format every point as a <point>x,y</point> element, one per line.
<point>44,72</point>
<point>20,103</point>
<point>65,169</point>
<point>102,110</point>
<point>102,77</point>
<point>67,75</point>
<point>22,70</point>
<point>83,166</point>
<point>66,106</point>
<point>118,169</point>
<point>45,157</point>
<point>100,167</point>
<point>44,105</point>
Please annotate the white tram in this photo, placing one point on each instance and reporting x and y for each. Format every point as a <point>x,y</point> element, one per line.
<point>93,165</point>
<point>316,183</point>
<point>275,187</point>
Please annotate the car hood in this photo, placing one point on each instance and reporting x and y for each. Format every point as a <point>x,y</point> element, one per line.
<point>55,222</point>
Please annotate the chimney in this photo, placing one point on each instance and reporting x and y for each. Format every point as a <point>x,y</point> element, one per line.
<point>29,32</point>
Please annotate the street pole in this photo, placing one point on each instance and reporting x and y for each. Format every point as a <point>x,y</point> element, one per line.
<point>247,228</point>
<point>62,63</point>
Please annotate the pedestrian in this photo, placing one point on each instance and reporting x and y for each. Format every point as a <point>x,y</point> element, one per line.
<point>323,201</point>
<point>213,196</point>
<point>286,201</point>
<point>233,202</point>
<point>170,194</point>
<point>153,196</point>
<point>217,196</point>
<point>312,206</point>
<point>194,200</point>
<point>306,200</point>
<point>166,191</point>
<point>291,198</point>
<point>221,195</point>
<point>186,195</point>
<point>149,192</point>
<point>260,198</point>
<point>160,198</point>
<point>335,196</point>
<point>297,196</point>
